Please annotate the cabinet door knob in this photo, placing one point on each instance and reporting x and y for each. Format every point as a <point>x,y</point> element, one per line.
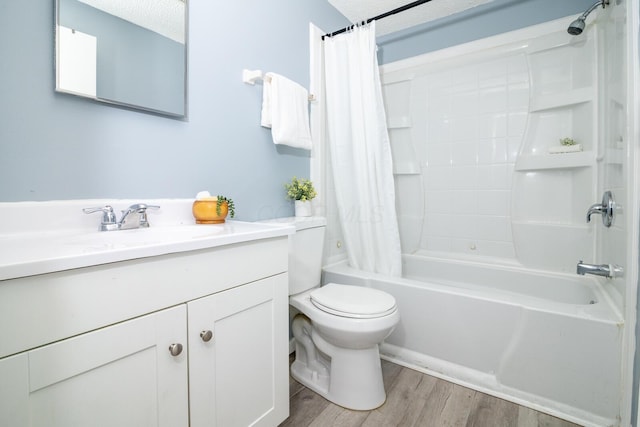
<point>206,336</point>
<point>175,349</point>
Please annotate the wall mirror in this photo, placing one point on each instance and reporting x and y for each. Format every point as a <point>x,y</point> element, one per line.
<point>125,52</point>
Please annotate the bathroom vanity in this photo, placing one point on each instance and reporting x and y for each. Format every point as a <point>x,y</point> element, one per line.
<point>189,328</point>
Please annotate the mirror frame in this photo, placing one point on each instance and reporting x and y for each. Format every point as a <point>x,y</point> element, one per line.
<point>122,104</point>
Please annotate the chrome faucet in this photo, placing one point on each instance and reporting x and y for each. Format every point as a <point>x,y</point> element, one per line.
<point>606,208</point>
<point>133,217</point>
<point>604,270</point>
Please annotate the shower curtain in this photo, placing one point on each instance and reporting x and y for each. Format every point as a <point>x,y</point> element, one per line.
<point>360,152</point>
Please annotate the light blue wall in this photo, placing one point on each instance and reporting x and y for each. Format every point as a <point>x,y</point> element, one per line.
<point>490,19</point>
<point>57,146</point>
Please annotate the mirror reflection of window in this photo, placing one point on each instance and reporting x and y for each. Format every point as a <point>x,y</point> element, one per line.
<point>140,52</point>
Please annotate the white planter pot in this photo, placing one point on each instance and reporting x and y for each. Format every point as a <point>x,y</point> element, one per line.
<point>303,208</point>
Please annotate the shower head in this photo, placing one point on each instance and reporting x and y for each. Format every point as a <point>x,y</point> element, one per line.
<point>577,26</point>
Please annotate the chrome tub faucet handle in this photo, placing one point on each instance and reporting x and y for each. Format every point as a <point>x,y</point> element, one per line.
<point>606,208</point>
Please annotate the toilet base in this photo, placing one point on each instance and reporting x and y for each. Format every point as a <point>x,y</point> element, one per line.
<point>351,378</point>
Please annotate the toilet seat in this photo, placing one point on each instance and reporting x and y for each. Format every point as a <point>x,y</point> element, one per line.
<point>353,302</point>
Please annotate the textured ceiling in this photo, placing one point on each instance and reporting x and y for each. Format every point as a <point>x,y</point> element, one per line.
<point>360,10</point>
<point>165,17</point>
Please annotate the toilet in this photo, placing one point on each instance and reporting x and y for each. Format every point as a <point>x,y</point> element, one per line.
<point>338,327</point>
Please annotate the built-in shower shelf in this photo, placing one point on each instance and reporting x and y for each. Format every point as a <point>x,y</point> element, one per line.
<point>562,99</point>
<point>399,122</point>
<point>555,161</point>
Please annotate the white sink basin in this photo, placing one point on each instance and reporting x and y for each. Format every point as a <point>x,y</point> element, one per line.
<point>28,254</point>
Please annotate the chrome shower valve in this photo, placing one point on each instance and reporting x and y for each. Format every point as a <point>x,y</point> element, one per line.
<point>606,208</point>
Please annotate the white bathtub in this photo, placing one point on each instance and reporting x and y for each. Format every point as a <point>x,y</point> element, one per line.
<point>550,342</point>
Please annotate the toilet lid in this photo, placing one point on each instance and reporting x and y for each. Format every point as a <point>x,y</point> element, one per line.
<point>353,301</point>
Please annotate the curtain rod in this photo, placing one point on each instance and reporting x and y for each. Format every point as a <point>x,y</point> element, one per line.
<point>383,15</point>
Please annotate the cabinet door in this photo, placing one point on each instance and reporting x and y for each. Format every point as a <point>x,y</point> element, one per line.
<point>14,390</point>
<point>239,377</point>
<point>122,375</point>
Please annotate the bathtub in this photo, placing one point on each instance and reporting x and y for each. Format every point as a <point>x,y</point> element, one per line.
<point>551,342</point>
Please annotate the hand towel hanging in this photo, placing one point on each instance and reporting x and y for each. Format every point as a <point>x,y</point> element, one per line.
<point>285,110</point>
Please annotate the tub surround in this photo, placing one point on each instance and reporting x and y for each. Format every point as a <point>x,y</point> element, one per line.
<point>162,325</point>
<point>471,128</point>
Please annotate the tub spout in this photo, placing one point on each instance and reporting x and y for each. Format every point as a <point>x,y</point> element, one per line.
<point>604,270</point>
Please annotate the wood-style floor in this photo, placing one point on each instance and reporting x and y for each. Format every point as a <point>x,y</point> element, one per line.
<point>416,399</point>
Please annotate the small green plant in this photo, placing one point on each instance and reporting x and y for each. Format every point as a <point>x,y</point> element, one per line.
<point>300,189</point>
<point>568,141</point>
<point>230,205</point>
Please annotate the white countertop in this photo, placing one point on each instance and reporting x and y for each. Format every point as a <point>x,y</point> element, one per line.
<point>26,252</point>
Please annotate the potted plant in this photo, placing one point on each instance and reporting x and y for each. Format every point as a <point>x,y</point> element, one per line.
<point>213,210</point>
<point>567,141</point>
<point>302,192</point>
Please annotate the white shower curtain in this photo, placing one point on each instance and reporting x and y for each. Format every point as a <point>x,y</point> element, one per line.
<point>360,152</point>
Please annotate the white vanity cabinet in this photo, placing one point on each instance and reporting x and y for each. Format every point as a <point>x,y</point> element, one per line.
<point>95,346</point>
<point>121,375</point>
<point>237,358</point>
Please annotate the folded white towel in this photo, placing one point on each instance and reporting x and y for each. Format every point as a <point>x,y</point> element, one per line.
<point>265,117</point>
<point>559,149</point>
<point>285,110</point>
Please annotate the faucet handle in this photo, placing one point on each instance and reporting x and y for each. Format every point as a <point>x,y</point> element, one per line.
<point>108,217</point>
<point>606,208</point>
<point>141,208</point>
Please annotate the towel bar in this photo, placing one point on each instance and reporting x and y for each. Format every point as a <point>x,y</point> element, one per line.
<point>252,76</point>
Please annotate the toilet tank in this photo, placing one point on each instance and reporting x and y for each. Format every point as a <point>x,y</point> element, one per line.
<point>305,253</point>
